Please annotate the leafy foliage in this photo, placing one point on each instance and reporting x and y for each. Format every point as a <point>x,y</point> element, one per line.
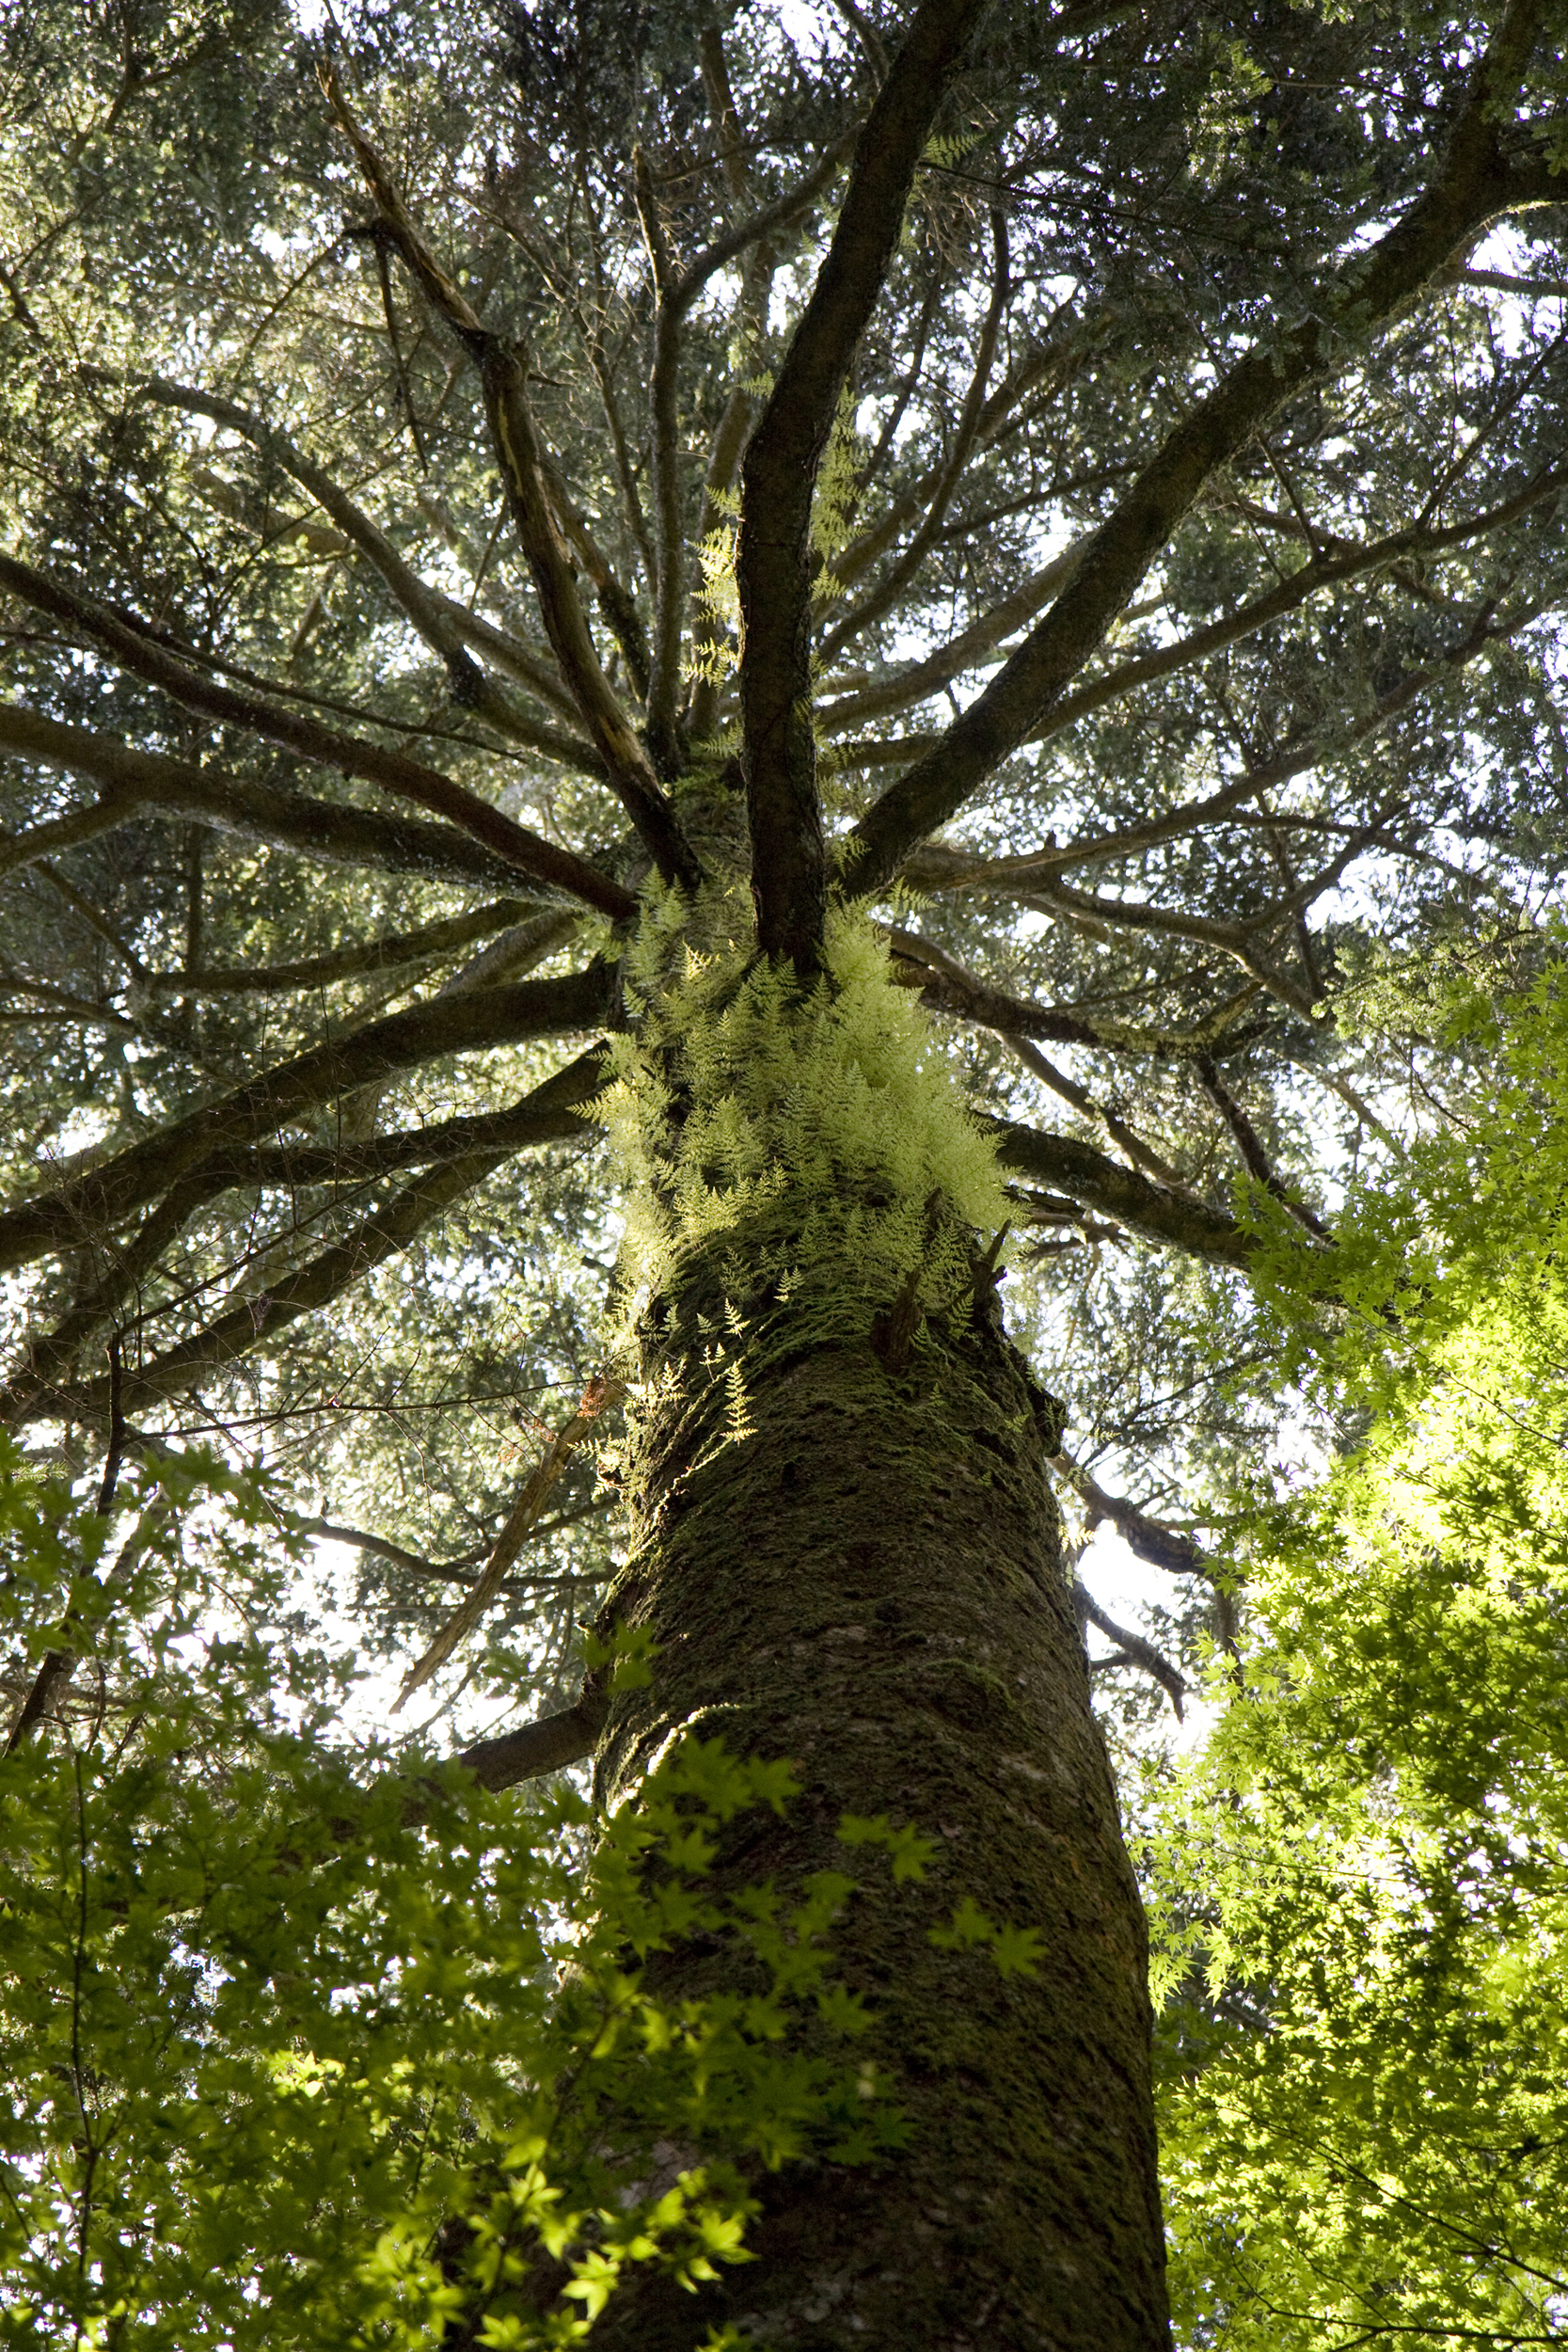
<point>1367,2131</point>
<point>738,1106</point>
<point>298,2045</point>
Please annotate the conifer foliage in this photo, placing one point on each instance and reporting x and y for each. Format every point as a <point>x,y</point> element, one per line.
<point>692,694</point>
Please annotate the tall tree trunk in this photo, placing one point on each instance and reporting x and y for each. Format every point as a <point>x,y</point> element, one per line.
<point>868,1580</point>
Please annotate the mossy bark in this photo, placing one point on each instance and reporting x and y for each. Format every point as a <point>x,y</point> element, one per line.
<point>869,1581</point>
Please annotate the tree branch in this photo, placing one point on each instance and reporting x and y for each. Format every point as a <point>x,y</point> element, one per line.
<point>600,1396</point>
<point>330,831</point>
<point>1163,1546</point>
<point>892,586</point>
<point>996,421</point>
<point>432,614</point>
<point>466,1022</point>
<point>933,866</point>
<point>256,1321</point>
<point>515,440</point>
<point>923,680</point>
<point>137,651</point>
<point>1473,185</point>
<point>1249,1148</point>
<point>555,1112</point>
<point>546,1746</point>
<point>1345,563</point>
<point>391,953</point>
<point>676,292</point>
<point>1141,1156</point>
<point>1235,940</point>
<point>1135,1651</point>
<point>1121,1193</point>
<point>953,990</point>
<point>779,477</point>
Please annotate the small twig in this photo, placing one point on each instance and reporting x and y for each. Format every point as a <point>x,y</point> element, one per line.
<point>1135,1650</point>
<point>1249,1148</point>
<point>58,1665</point>
<point>115,1453</point>
<point>601,1395</point>
<point>385,275</point>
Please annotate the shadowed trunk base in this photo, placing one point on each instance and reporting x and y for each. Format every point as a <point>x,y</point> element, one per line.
<point>868,1580</point>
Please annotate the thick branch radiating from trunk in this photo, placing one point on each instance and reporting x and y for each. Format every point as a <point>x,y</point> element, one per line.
<point>339,834</point>
<point>1145,1208</point>
<point>137,652</point>
<point>779,477</point>
<point>442,626</point>
<point>1474,185</point>
<point>551,1113</point>
<point>257,1321</point>
<point>466,1022</point>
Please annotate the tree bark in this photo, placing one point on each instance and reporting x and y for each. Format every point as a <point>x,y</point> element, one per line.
<point>870,1581</point>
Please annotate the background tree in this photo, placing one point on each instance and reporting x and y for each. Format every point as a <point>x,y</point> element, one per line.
<point>1082,470</point>
<point>1362,2129</point>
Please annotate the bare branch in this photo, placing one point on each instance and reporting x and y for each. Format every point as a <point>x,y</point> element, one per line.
<point>676,292</point>
<point>763,225</point>
<point>954,991</point>
<point>600,1396</point>
<point>382,1548</point>
<point>934,866</point>
<point>1249,1147</point>
<point>508,652</point>
<point>726,115</point>
<point>1238,941</point>
<point>997,421</point>
<point>257,1321</point>
<point>1345,563</point>
<point>1141,1156</point>
<point>923,680</point>
<point>1163,1546</point>
<point>547,1746</point>
<point>393,952</point>
<point>557,1111</point>
<point>669,518</point>
<point>945,987</point>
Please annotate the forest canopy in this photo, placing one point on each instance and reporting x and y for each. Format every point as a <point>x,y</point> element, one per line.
<point>911,657</point>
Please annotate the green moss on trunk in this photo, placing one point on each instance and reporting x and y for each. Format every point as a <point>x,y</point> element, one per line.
<point>868,1580</point>
<point>845,1548</point>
